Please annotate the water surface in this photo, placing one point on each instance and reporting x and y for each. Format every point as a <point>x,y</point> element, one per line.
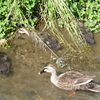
<point>27,59</point>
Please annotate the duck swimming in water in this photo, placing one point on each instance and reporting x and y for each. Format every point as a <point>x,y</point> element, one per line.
<point>4,64</point>
<point>71,80</point>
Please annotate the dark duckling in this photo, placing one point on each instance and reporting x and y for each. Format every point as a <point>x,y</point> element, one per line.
<point>49,41</point>
<point>4,64</point>
<point>88,35</point>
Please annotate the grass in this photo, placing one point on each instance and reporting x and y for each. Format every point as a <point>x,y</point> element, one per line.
<point>22,12</point>
<point>87,11</point>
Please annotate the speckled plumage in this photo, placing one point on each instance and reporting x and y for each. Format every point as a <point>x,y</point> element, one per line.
<point>71,80</point>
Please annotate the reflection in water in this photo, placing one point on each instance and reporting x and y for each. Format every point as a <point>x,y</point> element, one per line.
<point>23,81</point>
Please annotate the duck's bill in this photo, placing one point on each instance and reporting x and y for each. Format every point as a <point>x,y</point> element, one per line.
<point>42,71</point>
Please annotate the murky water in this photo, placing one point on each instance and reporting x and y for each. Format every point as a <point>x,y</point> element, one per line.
<point>23,81</point>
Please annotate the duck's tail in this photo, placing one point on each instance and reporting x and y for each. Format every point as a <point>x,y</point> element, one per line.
<point>96,88</point>
<point>91,86</point>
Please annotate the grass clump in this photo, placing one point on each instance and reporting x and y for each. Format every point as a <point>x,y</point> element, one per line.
<point>13,14</point>
<point>87,11</point>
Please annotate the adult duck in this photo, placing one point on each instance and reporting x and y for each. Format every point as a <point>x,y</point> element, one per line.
<point>71,80</point>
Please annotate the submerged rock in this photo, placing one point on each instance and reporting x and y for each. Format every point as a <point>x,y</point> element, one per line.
<point>88,35</point>
<point>49,41</point>
<point>4,64</point>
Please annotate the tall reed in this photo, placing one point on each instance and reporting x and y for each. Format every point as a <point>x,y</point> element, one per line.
<point>52,11</point>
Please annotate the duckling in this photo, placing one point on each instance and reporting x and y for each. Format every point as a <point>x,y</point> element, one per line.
<point>71,80</point>
<point>88,35</point>
<point>4,64</point>
<point>50,41</point>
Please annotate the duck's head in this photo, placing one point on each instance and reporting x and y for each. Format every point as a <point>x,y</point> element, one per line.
<point>49,68</point>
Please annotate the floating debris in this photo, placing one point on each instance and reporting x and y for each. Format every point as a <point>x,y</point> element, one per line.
<point>3,41</point>
<point>23,30</point>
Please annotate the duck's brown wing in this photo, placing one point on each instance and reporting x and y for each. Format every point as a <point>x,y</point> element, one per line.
<point>76,78</point>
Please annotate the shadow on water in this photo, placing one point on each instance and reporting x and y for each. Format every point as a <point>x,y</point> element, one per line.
<point>23,81</point>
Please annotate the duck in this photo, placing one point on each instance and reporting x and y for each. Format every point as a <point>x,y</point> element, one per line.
<point>4,64</point>
<point>71,80</point>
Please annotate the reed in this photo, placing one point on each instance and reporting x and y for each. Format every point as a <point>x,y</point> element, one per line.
<point>52,11</point>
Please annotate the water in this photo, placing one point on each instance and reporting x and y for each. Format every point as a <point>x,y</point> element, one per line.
<point>24,83</point>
